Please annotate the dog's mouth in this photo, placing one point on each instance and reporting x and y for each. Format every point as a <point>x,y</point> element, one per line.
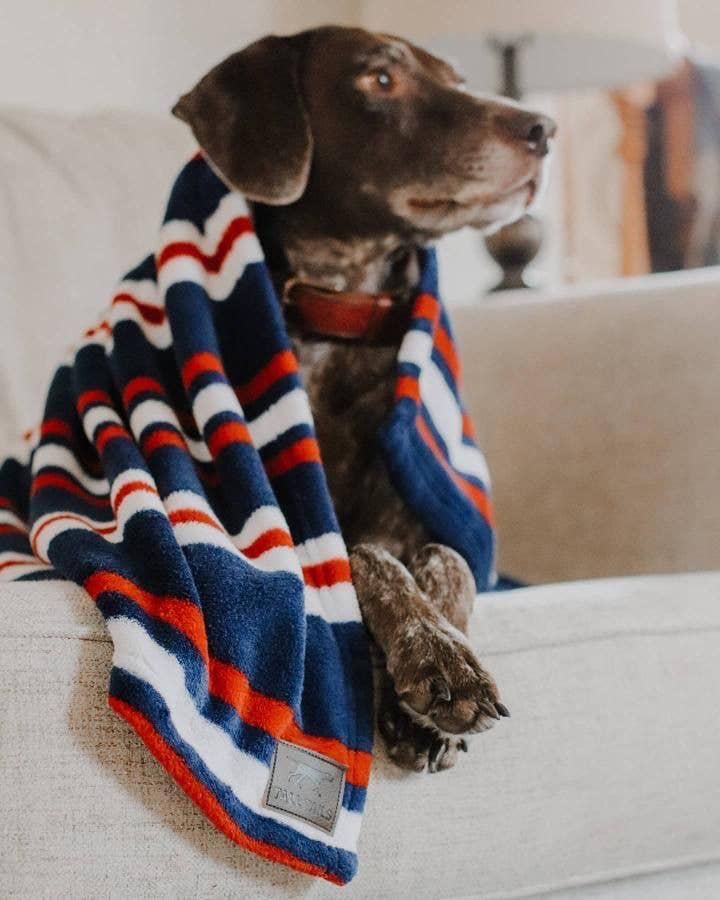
<point>449,205</point>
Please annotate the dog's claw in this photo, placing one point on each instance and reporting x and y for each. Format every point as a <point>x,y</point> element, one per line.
<point>462,745</point>
<point>502,709</point>
<point>437,751</point>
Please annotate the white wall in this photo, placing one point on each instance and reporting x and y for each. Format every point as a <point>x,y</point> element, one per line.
<point>79,55</point>
<point>89,54</point>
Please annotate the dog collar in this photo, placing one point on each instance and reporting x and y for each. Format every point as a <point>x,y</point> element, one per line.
<point>345,315</point>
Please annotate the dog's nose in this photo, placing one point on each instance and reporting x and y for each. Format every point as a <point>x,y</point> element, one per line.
<point>534,129</point>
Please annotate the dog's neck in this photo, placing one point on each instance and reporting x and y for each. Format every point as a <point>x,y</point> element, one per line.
<point>370,263</point>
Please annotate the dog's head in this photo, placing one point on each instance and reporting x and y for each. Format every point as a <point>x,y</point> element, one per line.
<point>345,121</point>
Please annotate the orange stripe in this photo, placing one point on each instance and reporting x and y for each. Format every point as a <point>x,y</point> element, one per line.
<point>12,529</point>
<point>228,433</point>
<point>199,363</point>
<point>407,386</point>
<point>107,433</point>
<point>303,451</point>
<point>88,397</point>
<point>54,479</point>
<point>425,307</point>
<point>445,346</point>
<point>468,429</point>
<point>179,516</point>
<point>227,682</point>
<point>273,537</point>
<point>211,263</point>
<point>476,495</point>
<point>276,718</point>
<point>155,315</point>
<point>137,385</point>
<point>162,437</point>
<point>55,427</point>
<point>105,529</point>
<point>19,562</point>
<point>181,614</point>
<point>331,571</point>
<point>103,326</point>
<point>176,767</point>
<point>283,363</point>
<point>130,488</point>
<point>6,503</point>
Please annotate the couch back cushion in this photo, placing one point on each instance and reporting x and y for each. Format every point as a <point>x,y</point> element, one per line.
<point>81,202</point>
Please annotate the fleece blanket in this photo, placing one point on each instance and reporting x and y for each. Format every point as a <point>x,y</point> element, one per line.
<point>176,477</point>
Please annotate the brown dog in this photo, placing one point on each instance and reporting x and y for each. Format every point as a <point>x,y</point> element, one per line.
<point>356,149</point>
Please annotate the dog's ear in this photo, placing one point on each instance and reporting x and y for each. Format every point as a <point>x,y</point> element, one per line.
<point>249,118</point>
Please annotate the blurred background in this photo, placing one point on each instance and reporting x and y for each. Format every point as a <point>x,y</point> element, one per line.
<point>635,181</point>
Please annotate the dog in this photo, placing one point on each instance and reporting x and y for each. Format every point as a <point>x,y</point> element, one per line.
<point>355,149</point>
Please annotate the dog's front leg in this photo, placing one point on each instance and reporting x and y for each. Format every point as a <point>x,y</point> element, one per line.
<point>438,681</point>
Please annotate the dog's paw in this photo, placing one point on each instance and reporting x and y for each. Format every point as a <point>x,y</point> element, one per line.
<point>440,682</point>
<point>412,746</point>
<point>444,752</point>
<point>408,743</point>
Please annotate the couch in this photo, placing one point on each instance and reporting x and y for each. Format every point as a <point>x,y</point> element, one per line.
<point>598,411</point>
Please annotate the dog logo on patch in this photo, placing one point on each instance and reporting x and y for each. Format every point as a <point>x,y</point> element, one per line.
<point>306,784</point>
<point>304,775</point>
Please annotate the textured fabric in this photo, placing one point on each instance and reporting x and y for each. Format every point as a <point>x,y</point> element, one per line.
<point>572,391</point>
<point>59,178</point>
<point>176,476</point>
<point>607,768</point>
<point>595,408</point>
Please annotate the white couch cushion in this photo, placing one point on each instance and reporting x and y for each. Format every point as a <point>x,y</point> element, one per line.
<point>608,766</point>
<point>81,201</point>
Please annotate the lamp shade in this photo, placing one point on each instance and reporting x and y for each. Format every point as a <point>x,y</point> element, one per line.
<point>571,44</point>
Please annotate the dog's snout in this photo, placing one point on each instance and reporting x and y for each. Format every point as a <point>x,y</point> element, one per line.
<point>539,134</point>
<point>534,129</point>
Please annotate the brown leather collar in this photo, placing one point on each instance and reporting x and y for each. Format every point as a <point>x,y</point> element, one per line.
<point>345,315</point>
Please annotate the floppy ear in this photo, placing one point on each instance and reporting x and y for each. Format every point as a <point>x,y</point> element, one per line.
<point>248,116</point>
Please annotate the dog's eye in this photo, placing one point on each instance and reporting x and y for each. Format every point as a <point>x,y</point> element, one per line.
<point>384,80</point>
<point>379,81</point>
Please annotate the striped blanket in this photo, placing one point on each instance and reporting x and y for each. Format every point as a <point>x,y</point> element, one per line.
<point>177,478</point>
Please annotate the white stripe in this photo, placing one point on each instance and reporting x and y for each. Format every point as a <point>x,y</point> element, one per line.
<point>25,565</point>
<point>189,500</point>
<point>99,415</point>
<point>9,518</point>
<point>416,348</point>
<point>56,455</point>
<point>127,476</point>
<point>14,556</point>
<point>274,559</point>
<point>245,250</point>
<point>290,410</point>
<point>138,654</point>
<point>213,399</point>
<point>232,206</point>
<point>153,412</point>
<point>322,548</point>
<point>135,502</point>
<point>218,286</point>
<point>159,336</point>
<point>334,604</point>
<point>265,518</point>
<point>447,418</point>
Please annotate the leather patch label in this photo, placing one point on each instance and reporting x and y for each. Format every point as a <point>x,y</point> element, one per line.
<point>306,784</point>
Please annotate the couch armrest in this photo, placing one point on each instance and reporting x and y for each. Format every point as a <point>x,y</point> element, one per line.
<point>599,412</point>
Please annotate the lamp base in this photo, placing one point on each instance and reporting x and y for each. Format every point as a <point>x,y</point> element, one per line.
<point>514,247</point>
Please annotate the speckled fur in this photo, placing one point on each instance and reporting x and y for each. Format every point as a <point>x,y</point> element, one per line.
<point>346,182</point>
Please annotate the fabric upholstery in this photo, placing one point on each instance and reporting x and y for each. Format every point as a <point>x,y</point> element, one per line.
<point>598,410</point>
<point>608,766</point>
